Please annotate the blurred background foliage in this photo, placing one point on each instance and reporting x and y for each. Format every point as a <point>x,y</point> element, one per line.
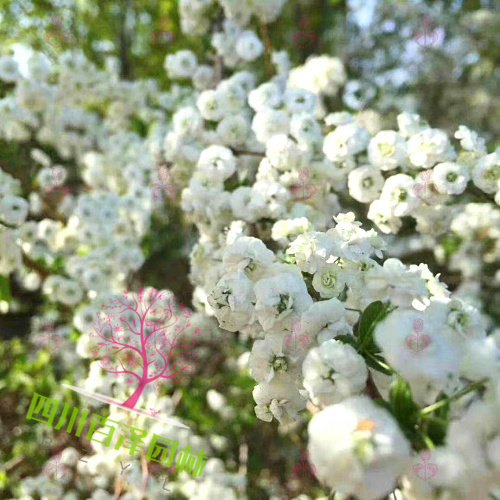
<point>452,80</point>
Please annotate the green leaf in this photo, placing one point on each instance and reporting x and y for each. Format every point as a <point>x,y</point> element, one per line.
<point>372,315</point>
<point>403,407</point>
<point>347,339</point>
<point>5,289</point>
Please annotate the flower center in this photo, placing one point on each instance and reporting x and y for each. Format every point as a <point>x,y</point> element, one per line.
<point>386,149</point>
<point>279,364</point>
<point>367,183</point>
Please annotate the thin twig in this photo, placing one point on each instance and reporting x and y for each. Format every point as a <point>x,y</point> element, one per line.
<point>267,49</point>
<point>458,395</point>
<point>245,152</point>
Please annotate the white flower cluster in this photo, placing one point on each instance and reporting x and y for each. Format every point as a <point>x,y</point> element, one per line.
<point>436,343</point>
<point>270,169</point>
<point>80,244</point>
<point>96,235</point>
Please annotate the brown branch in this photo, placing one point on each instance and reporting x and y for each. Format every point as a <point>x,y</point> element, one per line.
<point>268,49</point>
<point>31,264</point>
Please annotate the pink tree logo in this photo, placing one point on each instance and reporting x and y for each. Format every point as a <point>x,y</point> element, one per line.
<point>54,469</point>
<point>416,341</point>
<point>304,33</point>
<point>425,470</point>
<point>423,189</point>
<point>427,35</point>
<point>303,190</point>
<point>303,466</point>
<point>141,339</point>
<point>48,338</point>
<point>296,342</point>
<point>163,185</point>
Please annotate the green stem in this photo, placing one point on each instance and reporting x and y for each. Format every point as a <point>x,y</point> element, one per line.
<point>458,395</point>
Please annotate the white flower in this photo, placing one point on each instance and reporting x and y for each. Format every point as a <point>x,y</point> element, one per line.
<point>180,65</point>
<point>233,130</point>
<point>305,128</point>
<point>268,122</point>
<point>428,147</point>
<point>187,121</point>
<point>450,178</point>
<point>299,101</point>
<point>287,230</point>
<point>387,150</point>
<point>332,372</point>
<point>357,94</point>
<point>283,153</point>
<point>231,301</point>
<point>381,213</point>
<point>10,253</point>
<point>311,251</point>
<point>267,95</point>
<point>320,74</point>
<point>357,448</point>
<point>329,281</point>
<point>365,183</point>
<point>279,399</point>
<point>280,300</point>
<point>470,140</point>
<point>281,61</point>
<point>247,204</point>
<point>324,320</point>
<point>268,359</point>
<point>395,282</point>
<point>398,193</point>
<point>486,173</point>
<point>410,124</point>
<point>233,96</point>
<point>248,46</point>
<point>416,345</point>
<point>9,71</point>
<point>249,255</point>
<point>13,210</point>
<point>218,403</point>
<point>69,292</point>
<point>211,105</point>
<point>203,77</point>
<point>218,162</point>
<point>345,141</point>
<point>267,10</point>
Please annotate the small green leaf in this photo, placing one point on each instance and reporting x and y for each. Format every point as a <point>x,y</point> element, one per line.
<point>403,407</point>
<point>5,289</point>
<point>347,339</point>
<point>372,315</point>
